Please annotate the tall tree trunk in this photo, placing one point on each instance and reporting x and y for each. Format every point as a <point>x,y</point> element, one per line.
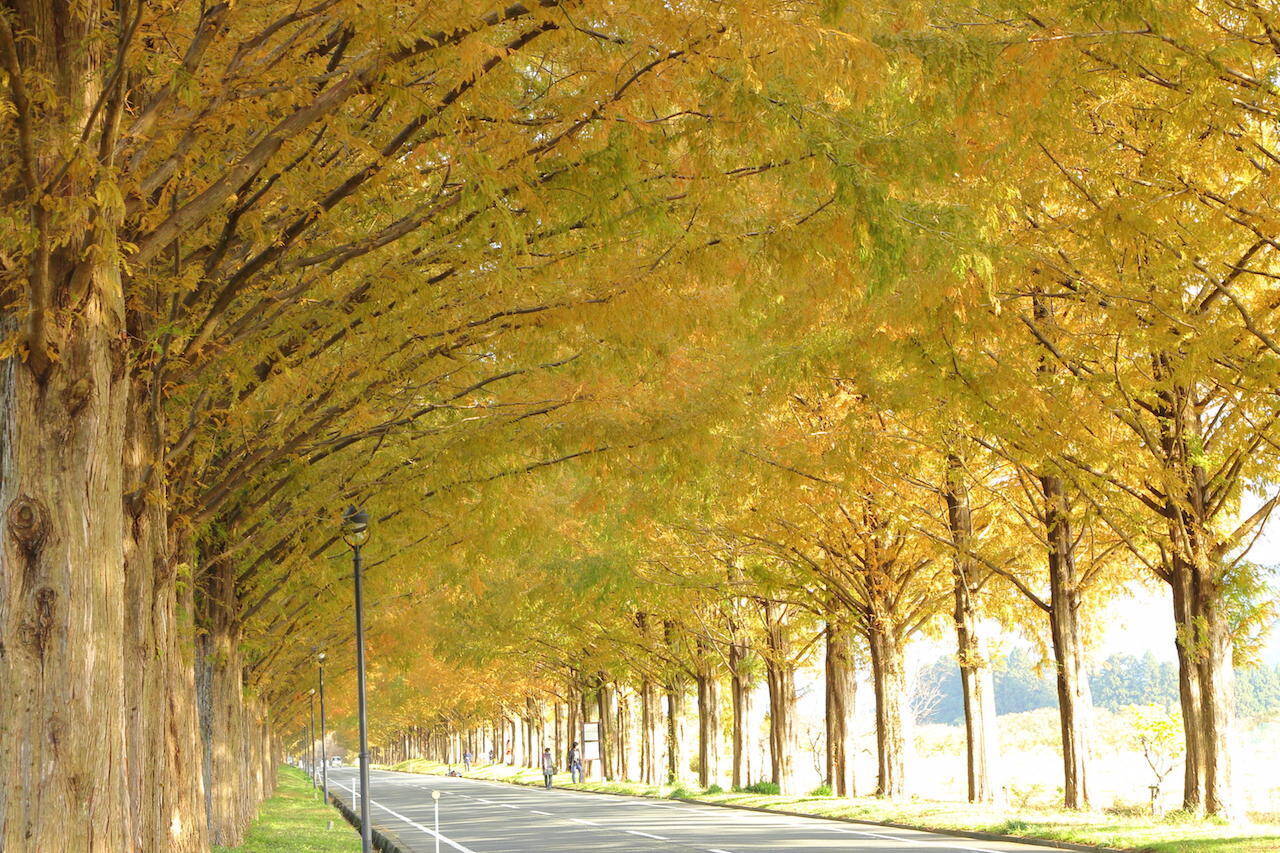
<point>604,702</point>
<point>975,666</point>
<point>162,742</point>
<point>650,773</point>
<point>559,747</point>
<point>223,726</point>
<point>622,736</point>
<point>780,673</point>
<point>708,718</point>
<point>841,695</point>
<point>675,694</point>
<point>62,591</point>
<point>1195,572</point>
<point>1075,702</point>
<point>1189,684</point>
<point>888,675</point>
<point>740,699</point>
<point>1205,680</point>
<point>574,724</point>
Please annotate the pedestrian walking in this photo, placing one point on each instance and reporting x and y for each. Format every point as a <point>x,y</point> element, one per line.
<point>466,760</point>
<point>575,763</point>
<point>548,767</point>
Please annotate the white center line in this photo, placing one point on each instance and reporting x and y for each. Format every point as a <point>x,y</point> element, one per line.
<point>545,814</point>
<point>587,822</point>
<point>647,835</point>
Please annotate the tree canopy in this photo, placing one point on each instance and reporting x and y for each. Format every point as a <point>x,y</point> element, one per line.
<point>666,344</point>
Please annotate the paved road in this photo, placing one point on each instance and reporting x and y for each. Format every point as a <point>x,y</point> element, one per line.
<point>490,817</point>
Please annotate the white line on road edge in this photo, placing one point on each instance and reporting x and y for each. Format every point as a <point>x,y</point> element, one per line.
<point>587,822</point>
<point>646,835</point>
<point>942,843</point>
<point>544,814</point>
<point>455,845</point>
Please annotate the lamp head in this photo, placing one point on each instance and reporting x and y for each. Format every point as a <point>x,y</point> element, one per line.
<point>320,657</point>
<point>355,526</point>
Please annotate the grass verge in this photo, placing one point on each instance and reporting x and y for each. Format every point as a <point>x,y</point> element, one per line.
<point>1172,834</point>
<point>295,820</point>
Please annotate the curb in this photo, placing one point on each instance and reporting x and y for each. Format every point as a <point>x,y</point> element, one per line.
<point>386,842</point>
<point>960,833</point>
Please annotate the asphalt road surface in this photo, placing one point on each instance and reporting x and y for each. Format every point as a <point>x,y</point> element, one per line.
<point>490,817</point>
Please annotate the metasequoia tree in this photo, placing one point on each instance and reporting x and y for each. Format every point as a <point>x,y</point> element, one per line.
<point>1142,285</point>
<point>246,239</point>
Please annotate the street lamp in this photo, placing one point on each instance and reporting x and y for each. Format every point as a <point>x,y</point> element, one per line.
<point>324,753</point>
<point>311,747</point>
<point>355,532</point>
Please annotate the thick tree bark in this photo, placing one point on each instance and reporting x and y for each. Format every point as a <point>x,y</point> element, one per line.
<point>841,696</point>
<point>63,753</point>
<point>604,703</point>
<point>223,725</point>
<point>574,724</point>
<point>1195,573</point>
<point>163,743</point>
<point>650,762</point>
<point>780,674</point>
<point>708,719</point>
<point>1205,681</point>
<point>622,736</point>
<point>975,667</point>
<point>675,695</point>
<point>740,699</point>
<point>558,750</point>
<point>1075,702</point>
<point>888,674</point>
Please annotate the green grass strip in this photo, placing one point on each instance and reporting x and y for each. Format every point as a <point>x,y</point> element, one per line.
<point>295,820</point>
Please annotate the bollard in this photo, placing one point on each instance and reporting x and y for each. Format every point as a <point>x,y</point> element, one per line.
<point>435,795</point>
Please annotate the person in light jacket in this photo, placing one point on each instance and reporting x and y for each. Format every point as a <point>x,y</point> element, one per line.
<point>548,767</point>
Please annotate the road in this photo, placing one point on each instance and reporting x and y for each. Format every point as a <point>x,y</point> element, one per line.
<point>490,817</point>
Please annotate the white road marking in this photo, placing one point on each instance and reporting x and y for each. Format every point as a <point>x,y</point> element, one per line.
<point>787,822</point>
<point>455,845</point>
<point>941,842</point>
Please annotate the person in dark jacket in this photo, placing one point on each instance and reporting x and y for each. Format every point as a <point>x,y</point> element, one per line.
<point>575,763</point>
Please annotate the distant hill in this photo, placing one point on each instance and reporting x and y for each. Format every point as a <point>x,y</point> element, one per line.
<point>1118,681</point>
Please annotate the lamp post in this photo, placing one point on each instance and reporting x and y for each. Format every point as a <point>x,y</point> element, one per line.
<point>311,747</point>
<point>324,751</point>
<point>355,532</point>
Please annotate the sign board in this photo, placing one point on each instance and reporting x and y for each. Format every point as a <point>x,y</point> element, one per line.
<point>590,741</point>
